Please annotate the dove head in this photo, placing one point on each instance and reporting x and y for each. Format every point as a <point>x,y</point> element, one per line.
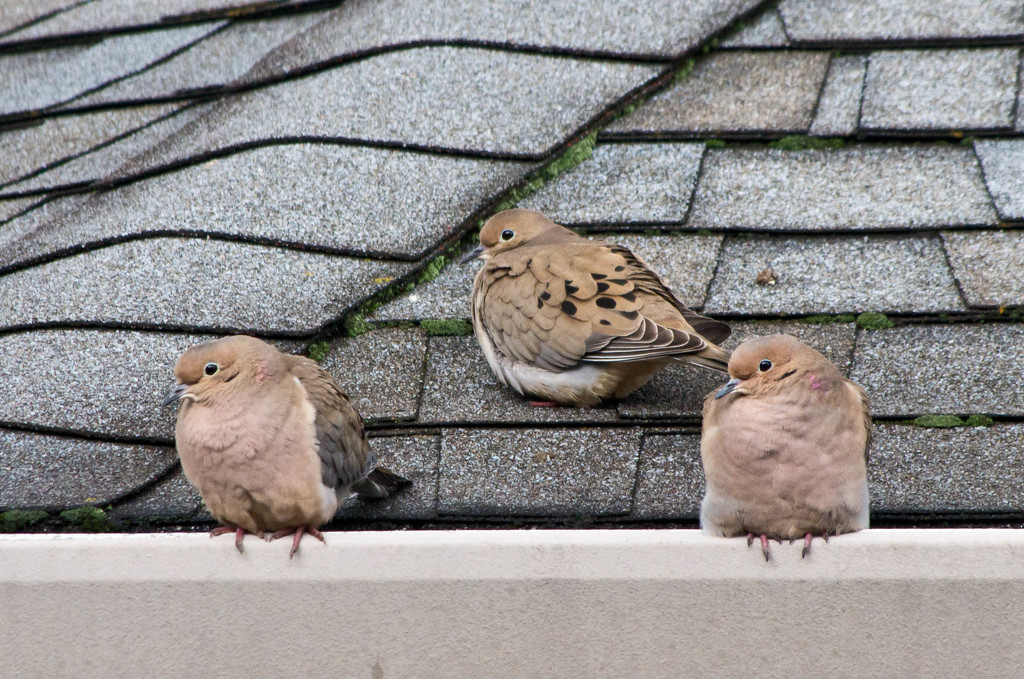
<point>210,370</point>
<point>514,228</point>
<point>764,365</point>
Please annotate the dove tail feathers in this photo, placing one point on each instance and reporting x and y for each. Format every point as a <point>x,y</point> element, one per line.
<point>380,484</point>
<point>713,357</point>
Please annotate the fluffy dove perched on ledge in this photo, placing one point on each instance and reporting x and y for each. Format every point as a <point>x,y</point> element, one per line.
<point>574,321</point>
<point>785,447</point>
<point>270,440</point>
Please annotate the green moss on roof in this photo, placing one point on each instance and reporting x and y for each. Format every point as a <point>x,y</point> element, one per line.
<point>872,320</point>
<point>446,327</point>
<point>16,520</point>
<point>90,519</point>
<point>947,421</point>
<point>801,143</point>
<point>826,319</point>
<point>318,350</point>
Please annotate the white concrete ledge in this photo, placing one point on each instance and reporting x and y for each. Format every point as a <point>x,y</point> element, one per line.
<point>616,603</point>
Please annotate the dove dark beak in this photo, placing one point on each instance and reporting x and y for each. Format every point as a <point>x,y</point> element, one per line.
<point>728,388</point>
<point>472,254</point>
<point>175,395</point>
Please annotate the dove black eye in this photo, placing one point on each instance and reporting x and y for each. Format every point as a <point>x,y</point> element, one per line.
<point>507,234</point>
<point>211,368</point>
<point>765,365</point>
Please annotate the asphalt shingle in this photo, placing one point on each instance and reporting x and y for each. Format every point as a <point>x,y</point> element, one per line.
<point>119,159</point>
<point>863,187</point>
<point>172,498</point>
<point>219,59</point>
<point>1002,162</point>
<point>839,106</point>
<point>764,31</point>
<point>835,274</point>
<point>447,296</point>
<point>99,382</point>
<point>9,209</point>
<point>678,391</point>
<point>874,21</point>
<point>17,15</point>
<point>940,90</point>
<point>745,92</point>
<point>989,266</point>
<point>923,369</point>
<point>34,80</point>
<point>55,472</point>
<point>659,29</point>
<point>110,15</point>
<point>969,470</point>
<point>670,478</point>
<point>461,389</point>
<point>190,283</point>
<point>352,199</point>
<point>537,472</point>
<point>493,101</point>
<point>414,457</point>
<point>30,150</point>
<point>624,183</point>
<point>381,371</point>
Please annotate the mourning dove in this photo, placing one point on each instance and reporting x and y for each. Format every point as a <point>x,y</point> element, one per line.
<point>270,440</point>
<point>785,447</point>
<point>575,321</point>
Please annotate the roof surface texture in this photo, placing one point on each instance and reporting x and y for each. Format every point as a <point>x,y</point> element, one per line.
<point>304,171</point>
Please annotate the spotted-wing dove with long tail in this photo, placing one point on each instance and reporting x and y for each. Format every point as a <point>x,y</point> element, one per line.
<point>568,320</point>
<point>785,447</point>
<point>270,440</point>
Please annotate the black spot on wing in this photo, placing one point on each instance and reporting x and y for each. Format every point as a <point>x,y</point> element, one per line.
<point>606,302</point>
<point>631,315</point>
<point>545,295</point>
<point>598,276</point>
<point>570,289</point>
<point>601,287</point>
<point>568,307</point>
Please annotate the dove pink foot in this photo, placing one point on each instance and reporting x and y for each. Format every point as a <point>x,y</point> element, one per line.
<point>239,534</point>
<point>298,536</point>
<point>764,544</point>
<point>807,544</point>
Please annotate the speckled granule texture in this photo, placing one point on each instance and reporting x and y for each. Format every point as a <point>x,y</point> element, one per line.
<point>31,80</point>
<point>764,31</point>
<point>99,382</point>
<point>15,15</point>
<point>940,90</point>
<point>864,187</point>
<point>537,472</point>
<point>839,106</point>
<point>871,20</point>
<point>736,91</point>
<point>670,478</point>
<point>413,457</point>
<point>385,202</point>
<point>112,14</point>
<point>461,389</point>
<point>118,158</point>
<point>989,266</point>
<point>192,283</point>
<point>680,390</point>
<point>659,28</point>
<point>219,59</point>
<point>172,498</point>
<point>836,274</point>
<point>942,369</point>
<point>447,296</point>
<point>381,371</point>
<point>967,469</point>
<point>1002,163</point>
<point>54,472</point>
<point>31,149</point>
<point>623,183</point>
<point>498,102</point>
